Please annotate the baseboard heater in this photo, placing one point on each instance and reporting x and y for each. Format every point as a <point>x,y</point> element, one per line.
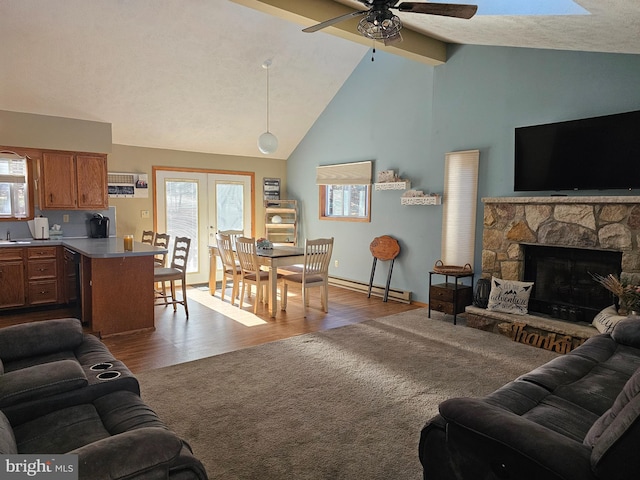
<point>397,295</point>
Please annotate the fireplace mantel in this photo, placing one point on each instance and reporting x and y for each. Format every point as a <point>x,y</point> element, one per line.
<point>561,199</point>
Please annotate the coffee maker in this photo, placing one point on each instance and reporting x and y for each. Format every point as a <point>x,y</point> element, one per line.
<point>99,226</point>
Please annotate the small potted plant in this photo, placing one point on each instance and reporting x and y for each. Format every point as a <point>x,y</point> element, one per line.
<point>264,244</point>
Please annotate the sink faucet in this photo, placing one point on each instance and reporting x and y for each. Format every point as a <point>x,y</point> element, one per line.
<point>8,234</point>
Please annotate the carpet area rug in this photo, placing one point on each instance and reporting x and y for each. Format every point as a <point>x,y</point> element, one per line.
<point>347,403</point>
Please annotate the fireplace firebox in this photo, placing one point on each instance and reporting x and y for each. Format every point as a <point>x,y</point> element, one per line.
<point>563,285</point>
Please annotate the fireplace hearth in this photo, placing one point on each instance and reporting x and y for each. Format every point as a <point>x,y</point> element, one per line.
<point>563,284</point>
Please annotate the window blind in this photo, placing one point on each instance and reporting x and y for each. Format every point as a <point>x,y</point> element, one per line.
<point>358,173</point>
<point>14,191</point>
<point>459,207</point>
<point>13,168</point>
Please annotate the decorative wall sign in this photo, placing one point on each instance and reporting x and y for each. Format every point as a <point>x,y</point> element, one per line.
<point>271,188</point>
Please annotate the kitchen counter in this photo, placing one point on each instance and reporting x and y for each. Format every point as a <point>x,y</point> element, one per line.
<point>111,247</point>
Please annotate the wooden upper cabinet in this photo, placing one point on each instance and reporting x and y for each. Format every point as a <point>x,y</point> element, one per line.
<point>73,181</point>
<point>58,181</point>
<point>92,182</point>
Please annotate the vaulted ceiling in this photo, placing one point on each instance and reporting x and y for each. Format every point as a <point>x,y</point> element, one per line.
<point>187,75</point>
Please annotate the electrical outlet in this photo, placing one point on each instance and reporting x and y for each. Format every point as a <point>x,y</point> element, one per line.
<point>336,263</point>
<point>65,218</point>
<point>144,213</point>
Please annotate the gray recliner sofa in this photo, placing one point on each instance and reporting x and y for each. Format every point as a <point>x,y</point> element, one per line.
<point>115,436</point>
<point>50,363</point>
<point>62,392</point>
<point>575,418</point>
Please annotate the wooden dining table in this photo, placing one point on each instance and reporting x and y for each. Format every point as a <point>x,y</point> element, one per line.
<point>278,256</point>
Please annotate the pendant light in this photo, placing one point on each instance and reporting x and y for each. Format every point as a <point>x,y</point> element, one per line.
<point>267,142</point>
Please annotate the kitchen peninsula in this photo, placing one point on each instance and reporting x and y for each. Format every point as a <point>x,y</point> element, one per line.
<point>116,285</point>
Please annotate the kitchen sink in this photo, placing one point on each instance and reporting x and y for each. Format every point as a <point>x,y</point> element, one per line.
<point>14,242</point>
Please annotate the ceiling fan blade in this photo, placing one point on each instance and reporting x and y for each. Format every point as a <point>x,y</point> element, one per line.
<point>443,9</point>
<point>333,21</point>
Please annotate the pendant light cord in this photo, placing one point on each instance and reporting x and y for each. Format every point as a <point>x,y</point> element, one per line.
<point>267,65</point>
<point>268,98</point>
<point>267,142</point>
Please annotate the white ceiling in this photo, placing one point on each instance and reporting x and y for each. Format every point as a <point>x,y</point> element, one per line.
<point>187,75</point>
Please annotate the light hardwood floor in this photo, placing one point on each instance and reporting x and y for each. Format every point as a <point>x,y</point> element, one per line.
<point>222,328</point>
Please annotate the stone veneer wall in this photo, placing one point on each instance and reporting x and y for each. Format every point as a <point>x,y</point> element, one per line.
<point>606,223</point>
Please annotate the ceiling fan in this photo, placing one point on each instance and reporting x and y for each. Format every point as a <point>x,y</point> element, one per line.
<point>379,23</point>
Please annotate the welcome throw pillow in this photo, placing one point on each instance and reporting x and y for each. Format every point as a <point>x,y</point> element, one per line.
<point>509,296</point>
<point>607,319</point>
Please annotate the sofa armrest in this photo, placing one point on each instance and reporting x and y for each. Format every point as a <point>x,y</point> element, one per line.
<point>627,332</point>
<point>39,338</point>
<point>491,442</point>
<point>143,453</point>
<point>40,381</point>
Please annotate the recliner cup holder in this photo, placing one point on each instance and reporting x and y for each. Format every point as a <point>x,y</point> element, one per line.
<point>108,375</point>
<point>101,366</point>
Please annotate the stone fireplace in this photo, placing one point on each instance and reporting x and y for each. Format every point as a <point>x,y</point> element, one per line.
<point>606,224</point>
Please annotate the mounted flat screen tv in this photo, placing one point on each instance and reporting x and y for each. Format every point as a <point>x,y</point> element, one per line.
<point>597,153</point>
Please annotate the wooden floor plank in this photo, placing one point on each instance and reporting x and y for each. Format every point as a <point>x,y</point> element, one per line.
<point>220,327</point>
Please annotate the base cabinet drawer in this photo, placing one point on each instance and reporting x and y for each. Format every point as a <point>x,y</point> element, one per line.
<point>41,269</point>
<point>34,253</point>
<point>43,292</point>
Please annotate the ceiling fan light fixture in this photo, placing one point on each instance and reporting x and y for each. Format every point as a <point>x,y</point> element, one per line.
<point>267,142</point>
<point>378,23</point>
<point>380,26</point>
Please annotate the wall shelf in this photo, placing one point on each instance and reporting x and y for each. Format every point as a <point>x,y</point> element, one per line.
<point>426,200</point>
<point>285,232</point>
<point>393,185</point>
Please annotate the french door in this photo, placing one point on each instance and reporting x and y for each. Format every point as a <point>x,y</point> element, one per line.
<point>197,204</point>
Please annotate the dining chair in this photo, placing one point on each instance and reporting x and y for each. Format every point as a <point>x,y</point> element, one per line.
<point>174,272</point>
<point>251,272</point>
<point>230,267</point>
<point>147,237</point>
<point>160,260</point>
<point>315,272</point>
<point>161,240</point>
<point>233,234</point>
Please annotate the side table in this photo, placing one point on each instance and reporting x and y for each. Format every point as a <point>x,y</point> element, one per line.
<point>450,298</point>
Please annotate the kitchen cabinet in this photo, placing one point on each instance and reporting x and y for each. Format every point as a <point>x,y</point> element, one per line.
<point>73,181</point>
<point>91,182</point>
<point>12,284</point>
<point>42,275</point>
<point>281,221</point>
<point>58,181</point>
<point>29,276</point>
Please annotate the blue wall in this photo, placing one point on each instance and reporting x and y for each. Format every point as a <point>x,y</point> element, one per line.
<point>406,116</point>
